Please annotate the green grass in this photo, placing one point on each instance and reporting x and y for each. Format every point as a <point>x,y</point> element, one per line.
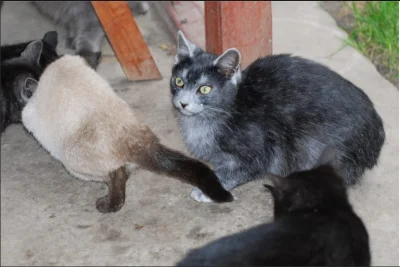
<point>376,33</point>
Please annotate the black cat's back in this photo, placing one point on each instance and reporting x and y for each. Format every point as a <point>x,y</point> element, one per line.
<point>305,240</point>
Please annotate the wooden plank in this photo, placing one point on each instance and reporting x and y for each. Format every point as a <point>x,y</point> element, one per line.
<point>126,40</point>
<point>245,25</point>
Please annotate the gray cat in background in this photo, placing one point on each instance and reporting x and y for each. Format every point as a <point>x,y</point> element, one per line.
<point>84,31</point>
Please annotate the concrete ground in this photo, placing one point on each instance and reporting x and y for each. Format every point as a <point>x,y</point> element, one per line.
<point>49,217</point>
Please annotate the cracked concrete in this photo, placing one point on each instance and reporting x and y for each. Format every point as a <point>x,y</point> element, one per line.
<point>49,217</point>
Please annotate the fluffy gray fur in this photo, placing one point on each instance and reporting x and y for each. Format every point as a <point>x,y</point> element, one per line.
<point>276,116</point>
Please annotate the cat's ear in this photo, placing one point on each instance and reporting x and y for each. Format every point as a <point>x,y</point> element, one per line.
<point>184,48</point>
<point>278,185</point>
<point>229,61</point>
<point>30,86</point>
<point>33,52</point>
<point>279,182</point>
<point>51,38</point>
<point>276,179</point>
<point>271,189</point>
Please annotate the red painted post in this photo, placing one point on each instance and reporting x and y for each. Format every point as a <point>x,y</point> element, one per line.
<point>126,40</point>
<point>245,25</point>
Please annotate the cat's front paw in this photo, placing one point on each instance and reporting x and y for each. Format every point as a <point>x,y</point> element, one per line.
<point>199,196</point>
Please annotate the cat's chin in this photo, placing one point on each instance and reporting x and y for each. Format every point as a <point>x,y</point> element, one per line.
<point>186,113</point>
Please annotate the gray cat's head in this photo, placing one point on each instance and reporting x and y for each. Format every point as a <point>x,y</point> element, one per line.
<point>202,82</point>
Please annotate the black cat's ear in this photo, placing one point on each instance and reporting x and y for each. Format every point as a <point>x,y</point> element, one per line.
<point>275,189</point>
<point>280,183</point>
<point>33,52</point>
<point>278,187</point>
<point>276,179</point>
<point>184,48</point>
<point>229,61</point>
<point>30,86</point>
<point>270,189</point>
<point>51,38</point>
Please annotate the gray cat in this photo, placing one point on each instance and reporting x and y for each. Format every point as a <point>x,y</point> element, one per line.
<point>85,33</point>
<point>276,116</point>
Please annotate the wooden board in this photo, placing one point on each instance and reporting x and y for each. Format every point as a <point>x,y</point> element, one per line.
<point>126,40</point>
<point>245,25</point>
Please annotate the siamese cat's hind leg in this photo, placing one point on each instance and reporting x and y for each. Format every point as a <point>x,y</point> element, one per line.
<point>116,180</point>
<point>115,199</point>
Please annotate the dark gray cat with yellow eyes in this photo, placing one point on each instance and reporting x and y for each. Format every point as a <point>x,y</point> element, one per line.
<point>276,116</point>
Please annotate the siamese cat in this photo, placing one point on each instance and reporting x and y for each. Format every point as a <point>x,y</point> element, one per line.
<point>75,114</point>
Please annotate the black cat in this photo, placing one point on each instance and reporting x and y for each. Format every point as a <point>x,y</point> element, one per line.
<point>18,63</point>
<point>314,225</point>
<point>49,54</point>
<point>275,116</point>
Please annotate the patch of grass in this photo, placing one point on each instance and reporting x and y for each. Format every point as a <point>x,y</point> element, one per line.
<point>376,34</point>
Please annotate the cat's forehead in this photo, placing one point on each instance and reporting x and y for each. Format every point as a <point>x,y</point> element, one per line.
<point>195,68</point>
<point>194,74</point>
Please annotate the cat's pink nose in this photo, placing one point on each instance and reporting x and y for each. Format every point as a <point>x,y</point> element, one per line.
<point>183,105</point>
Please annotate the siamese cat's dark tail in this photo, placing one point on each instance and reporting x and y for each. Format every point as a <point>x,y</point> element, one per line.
<point>163,160</point>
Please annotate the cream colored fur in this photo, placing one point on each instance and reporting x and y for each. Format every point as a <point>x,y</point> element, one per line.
<point>80,120</point>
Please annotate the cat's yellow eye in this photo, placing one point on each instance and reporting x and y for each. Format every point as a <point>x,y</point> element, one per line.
<point>179,82</point>
<point>205,89</point>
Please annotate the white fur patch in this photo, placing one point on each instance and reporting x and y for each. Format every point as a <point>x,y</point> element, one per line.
<point>202,81</point>
<point>236,77</point>
<point>199,196</point>
<point>184,73</point>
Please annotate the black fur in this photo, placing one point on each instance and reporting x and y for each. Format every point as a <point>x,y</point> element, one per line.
<point>276,116</point>
<point>314,225</point>
<point>49,52</point>
<point>16,68</point>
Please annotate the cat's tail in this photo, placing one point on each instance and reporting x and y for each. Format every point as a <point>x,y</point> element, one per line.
<point>160,159</point>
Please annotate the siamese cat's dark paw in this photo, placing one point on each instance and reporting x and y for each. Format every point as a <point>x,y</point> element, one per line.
<point>104,205</point>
